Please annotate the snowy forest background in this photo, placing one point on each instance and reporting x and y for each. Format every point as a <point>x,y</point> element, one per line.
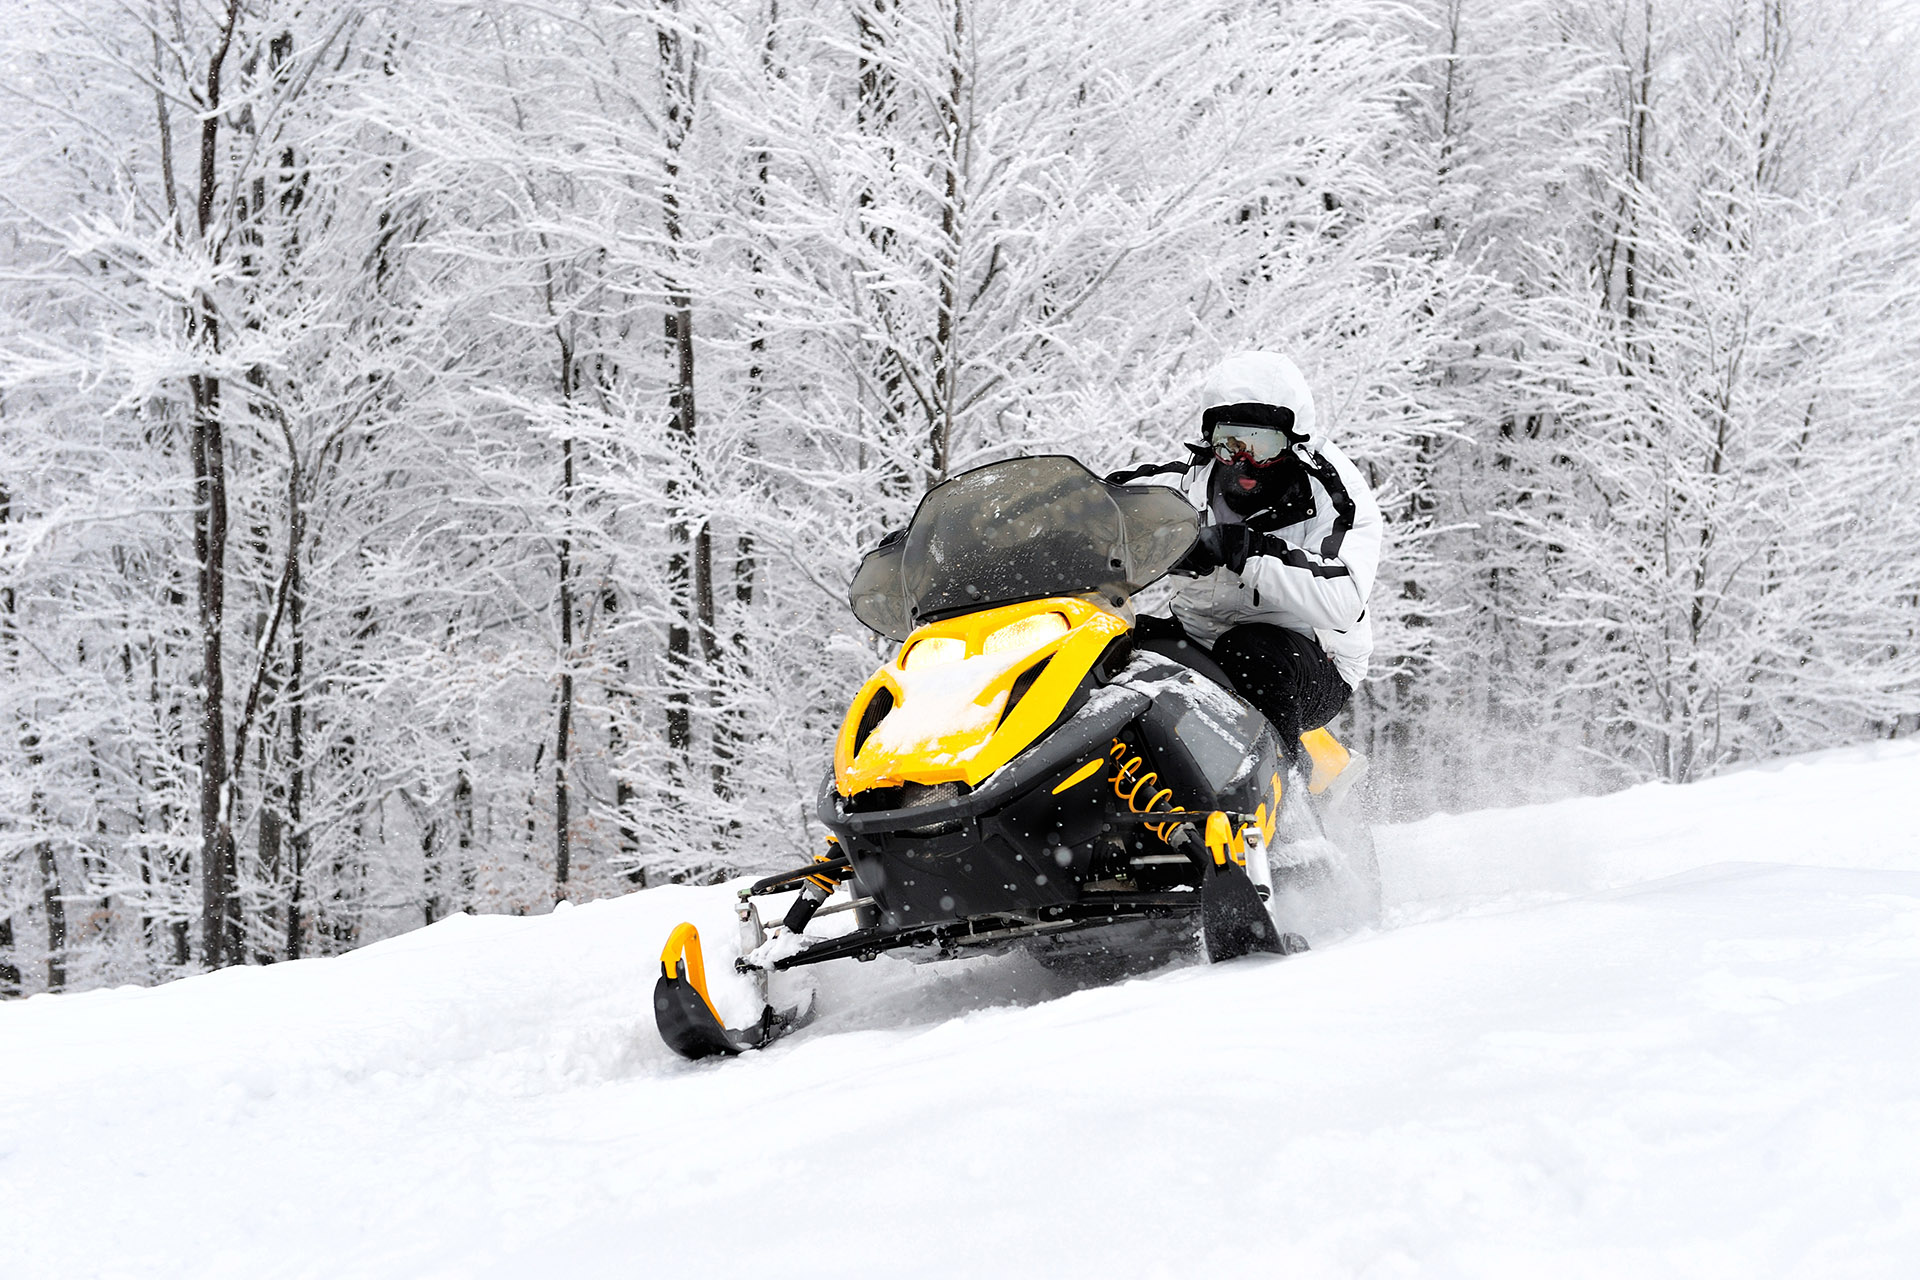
<point>435,437</point>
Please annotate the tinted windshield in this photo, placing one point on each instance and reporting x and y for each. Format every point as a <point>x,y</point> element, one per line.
<point>1019,530</point>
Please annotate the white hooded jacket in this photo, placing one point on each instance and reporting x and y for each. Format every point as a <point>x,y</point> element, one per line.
<point>1313,575</point>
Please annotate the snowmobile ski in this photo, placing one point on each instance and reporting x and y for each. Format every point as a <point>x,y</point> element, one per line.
<point>684,1011</point>
<point>1233,917</point>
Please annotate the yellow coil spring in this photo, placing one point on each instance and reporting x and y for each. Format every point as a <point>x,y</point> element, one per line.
<point>1128,782</point>
<point>825,884</point>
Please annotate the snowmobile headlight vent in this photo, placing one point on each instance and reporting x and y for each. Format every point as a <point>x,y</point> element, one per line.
<point>934,651</point>
<point>1028,633</point>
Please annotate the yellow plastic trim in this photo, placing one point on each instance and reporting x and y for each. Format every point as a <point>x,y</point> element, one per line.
<point>1267,817</point>
<point>1328,756</point>
<point>683,946</point>
<point>1225,841</point>
<point>971,753</point>
<point>1080,775</point>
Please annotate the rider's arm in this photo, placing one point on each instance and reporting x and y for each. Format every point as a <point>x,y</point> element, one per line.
<point>1325,586</point>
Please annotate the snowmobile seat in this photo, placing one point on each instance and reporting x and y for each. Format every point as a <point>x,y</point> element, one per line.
<point>1177,648</point>
<point>1185,652</point>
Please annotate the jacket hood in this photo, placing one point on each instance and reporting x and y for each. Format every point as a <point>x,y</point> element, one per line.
<point>1262,377</point>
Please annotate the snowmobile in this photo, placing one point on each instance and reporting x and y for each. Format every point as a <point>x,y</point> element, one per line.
<point>1023,774</point>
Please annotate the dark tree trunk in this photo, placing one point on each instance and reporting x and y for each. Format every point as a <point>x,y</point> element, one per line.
<point>728,736</point>
<point>563,732</point>
<point>94,867</point>
<point>877,92</point>
<point>628,837</point>
<point>53,904</point>
<point>219,906</point>
<point>705,616</point>
<point>142,826</point>
<point>270,842</point>
<point>463,836</point>
<point>434,874</point>
<point>178,864</point>
<point>533,809</point>
<point>945,375</point>
<point>220,932</point>
<point>335,917</point>
<point>679,575</point>
<point>296,695</point>
<point>271,851</point>
<point>9,964</point>
<point>55,907</point>
<point>690,563</point>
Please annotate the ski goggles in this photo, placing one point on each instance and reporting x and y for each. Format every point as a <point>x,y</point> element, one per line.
<point>1241,445</point>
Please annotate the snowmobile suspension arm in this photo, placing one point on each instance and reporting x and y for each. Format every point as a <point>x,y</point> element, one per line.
<point>1089,911</point>
<point>836,868</point>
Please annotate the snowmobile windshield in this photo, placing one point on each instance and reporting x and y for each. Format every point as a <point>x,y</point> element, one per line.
<point>1021,530</point>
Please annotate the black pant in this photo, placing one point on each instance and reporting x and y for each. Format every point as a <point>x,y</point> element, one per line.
<point>1285,674</point>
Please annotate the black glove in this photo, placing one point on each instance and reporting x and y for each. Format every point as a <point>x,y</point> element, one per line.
<point>1220,546</point>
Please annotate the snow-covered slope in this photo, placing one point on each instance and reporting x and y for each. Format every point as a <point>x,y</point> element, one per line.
<point>1668,1032</point>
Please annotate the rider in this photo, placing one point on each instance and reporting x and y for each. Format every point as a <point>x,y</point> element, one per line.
<point>1289,540</point>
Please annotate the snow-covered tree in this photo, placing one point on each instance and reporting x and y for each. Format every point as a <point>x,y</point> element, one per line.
<point>435,439</point>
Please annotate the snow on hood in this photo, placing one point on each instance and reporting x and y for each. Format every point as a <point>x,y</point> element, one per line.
<point>1262,377</point>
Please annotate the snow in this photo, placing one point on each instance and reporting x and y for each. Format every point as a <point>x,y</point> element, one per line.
<point>1664,1033</point>
<point>1225,708</point>
<point>945,702</point>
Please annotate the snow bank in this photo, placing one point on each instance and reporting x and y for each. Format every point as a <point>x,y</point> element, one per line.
<point>1846,808</point>
<point>1606,1038</point>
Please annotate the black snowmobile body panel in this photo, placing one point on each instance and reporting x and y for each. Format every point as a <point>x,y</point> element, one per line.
<point>1206,742</point>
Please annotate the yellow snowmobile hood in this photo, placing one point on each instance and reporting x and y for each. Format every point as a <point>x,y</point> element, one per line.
<point>939,712</point>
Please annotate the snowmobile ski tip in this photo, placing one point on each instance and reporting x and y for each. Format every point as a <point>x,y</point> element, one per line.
<point>685,1014</point>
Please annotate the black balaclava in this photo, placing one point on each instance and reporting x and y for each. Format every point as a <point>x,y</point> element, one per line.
<point>1280,486</point>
